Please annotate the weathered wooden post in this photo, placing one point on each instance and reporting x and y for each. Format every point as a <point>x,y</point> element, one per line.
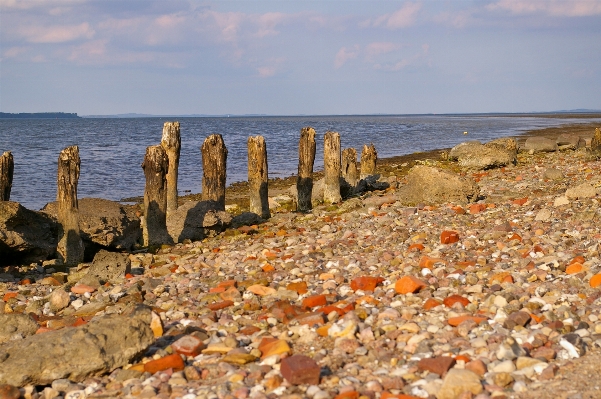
<point>154,225</point>
<point>306,158</point>
<point>7,167</point>
<point>171,143</point>
<point>350,174</point>
<point>596,141</point>
<point>70,246</point>
<point>331,163</point>
<point>258,176</point>
<point>369,156</point>
<point>214,159</point>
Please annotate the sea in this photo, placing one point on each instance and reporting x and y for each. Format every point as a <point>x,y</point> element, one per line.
<point>112,149</point>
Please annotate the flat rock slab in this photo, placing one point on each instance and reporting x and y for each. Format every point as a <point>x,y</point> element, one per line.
<point>76,353</point>
<point>16,326</point>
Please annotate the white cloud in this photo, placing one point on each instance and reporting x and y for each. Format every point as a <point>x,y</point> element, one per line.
<point>402,18</point>
<point>569,8</point>
<point>57,34</point>
<point>268,22</point>
<point>345,54</point>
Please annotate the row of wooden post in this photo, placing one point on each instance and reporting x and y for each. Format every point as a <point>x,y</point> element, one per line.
<point>160,167</point>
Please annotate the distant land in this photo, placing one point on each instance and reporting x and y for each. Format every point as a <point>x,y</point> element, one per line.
<point>39,115</point>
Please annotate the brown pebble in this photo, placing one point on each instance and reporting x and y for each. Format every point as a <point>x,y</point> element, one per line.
<point>300,369</point>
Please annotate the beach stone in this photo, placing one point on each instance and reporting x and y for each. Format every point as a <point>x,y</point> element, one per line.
<point>540,144</point>
<point>246,219</point>
<point>438,365</point>
<point>544,215</point>
<point>94,348</point>
<point>195,220</point>
<point>458,381</point>
<point>516,319</point>
<point>571,140</point>
<point>104,224</point>
<point>585,190</point>
<point>188,345</point>
<point>477,366</point>
<point>173,361</point>
<point>430,185</point>
<point>474,155</point>
<point>408,284</point>
<point>16,326</point>
<point>9,392</point>
<point>552,174</point>
<point>300,369</point>
<point>365,283</point>
<point>559,201</point>
<point>26,236</point>
<point>59,299</point>
<point>109,266</point>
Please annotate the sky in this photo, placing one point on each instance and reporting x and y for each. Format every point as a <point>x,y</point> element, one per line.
<point>287,57</point>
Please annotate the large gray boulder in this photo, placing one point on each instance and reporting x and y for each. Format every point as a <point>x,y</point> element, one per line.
<point>540,144</point>
<point>430,185</point>
<point>195,220</point>
<point>25,236</point>
<point>570,141</point>
<point>104,224</point>
<point>76,353</point>
<point>474,155</point>
<point>16,326</point>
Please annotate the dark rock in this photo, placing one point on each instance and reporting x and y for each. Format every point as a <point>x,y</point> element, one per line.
<point>516,319</point>
<point>16,326</point>
<point>26,236</point>
<point>104,224</point>
<point>76,353</point>
<point>246,219</point>
<point>195,220</point>
<point>434,186</point>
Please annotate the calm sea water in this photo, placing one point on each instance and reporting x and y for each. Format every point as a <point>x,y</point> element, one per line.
<point>112,150</point>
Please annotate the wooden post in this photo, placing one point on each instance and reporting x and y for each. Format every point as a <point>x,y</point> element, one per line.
<point>306,158</point>
<point>171,143</point>
<point>258,176</point>
<point>7,167</point>
<point>154,225</point>
<point>331,163</point>
<point>70,246</point>
<point>596,141</point>
<point>350,174</point>
<point>214,159</point>
<point>369,156</point>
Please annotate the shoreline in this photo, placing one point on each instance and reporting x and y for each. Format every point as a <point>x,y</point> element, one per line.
<point>237,192</point>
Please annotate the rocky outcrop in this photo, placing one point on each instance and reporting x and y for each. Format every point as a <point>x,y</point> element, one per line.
<point>76,353</point>
<point>430,185</point>
<point>25,236</point>
<point>540,144</point>
<point>104,224</point>
<point>474,155</point>
<point>195,220</point>
<point>16,326</point>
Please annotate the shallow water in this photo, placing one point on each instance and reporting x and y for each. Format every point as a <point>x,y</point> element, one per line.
<point>112,149</point>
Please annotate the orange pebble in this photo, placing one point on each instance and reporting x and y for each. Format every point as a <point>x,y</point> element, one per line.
<point>407,284</point>
<point>595,280</point>
<point>574,268</point>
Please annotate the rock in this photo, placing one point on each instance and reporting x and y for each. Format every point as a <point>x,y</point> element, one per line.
<point>408,284</point>
<point>438,365</point>
<point>507,143</point>
<point>434,186</point>
<point>9,392</point>
<point>474,155</point>
<point>540,144</point>
<point>544,215</point>
<point>174,362</point>
<point>516,319</point>
<point>552,174</point>
<point>188,345</point>
<point>26,236</point>
<point>559,201</point>
<point>104,224</point>
<point>316,193</point>
<point>570,140</point>
<point>458,381</point>
<point>195,220</point>
<point>246,219</point>
<point>16,326</point>
<point>300,369</point>
<point>365,283</point>
<point>59,299</point>
<point>77,353</point>
<point>109,266</point>
<point>584,190</point>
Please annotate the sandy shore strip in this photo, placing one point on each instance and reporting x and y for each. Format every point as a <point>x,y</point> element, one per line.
<point>370,298</point>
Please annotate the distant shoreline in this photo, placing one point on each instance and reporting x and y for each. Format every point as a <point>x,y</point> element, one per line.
<point>39,115</point>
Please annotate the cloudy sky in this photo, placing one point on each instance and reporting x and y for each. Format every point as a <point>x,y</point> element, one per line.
<point>299,57</point>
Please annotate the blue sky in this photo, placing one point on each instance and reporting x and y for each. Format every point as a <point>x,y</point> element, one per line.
<point>299,57</point>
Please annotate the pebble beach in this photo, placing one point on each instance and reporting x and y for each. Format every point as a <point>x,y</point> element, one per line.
<point>369,298</point>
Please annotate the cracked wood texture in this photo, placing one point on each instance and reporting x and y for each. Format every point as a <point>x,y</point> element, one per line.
<point>154,226</point>
<point>214,162</point>
<point>306,158</point>
<point>7,167</point>
<point>369,156</point>
<point>331,165</point>
<point>171,143</point>
<point>258,176</point>
<point>70,248</point>
<point>350,174</point>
